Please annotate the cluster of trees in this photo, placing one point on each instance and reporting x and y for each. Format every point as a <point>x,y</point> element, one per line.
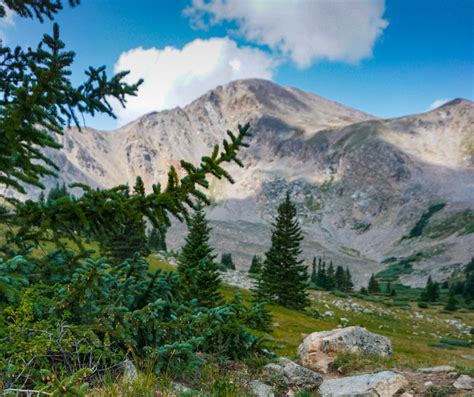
<point>325,277</point>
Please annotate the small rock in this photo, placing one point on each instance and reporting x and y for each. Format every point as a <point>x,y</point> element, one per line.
<point>381,384</point>
<point>464,382</point>
<point>435,370</point>
<point>130,373</point>
<point>319,349</point>
<point>276,325</point>
<point>407,394</point>
<point>429,383</point>
<point>180,388</point>
<point>299,376</point>
<point>260,389</point>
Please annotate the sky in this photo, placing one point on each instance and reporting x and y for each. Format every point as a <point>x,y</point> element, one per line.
<point>387,58</point>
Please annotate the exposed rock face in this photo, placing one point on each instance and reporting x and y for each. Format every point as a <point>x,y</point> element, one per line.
<point>381,384</point>
<point>320,349</point>
<point>359,183</point>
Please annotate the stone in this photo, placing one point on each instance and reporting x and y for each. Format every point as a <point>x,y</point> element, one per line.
<point>381,384</point>
<point>320,349</point>
<point>260,389</point>
<point>299,376</point>
<point>130,373</point>
<point>464,382</point>
<point>435,370</point>
<point>180,388</point>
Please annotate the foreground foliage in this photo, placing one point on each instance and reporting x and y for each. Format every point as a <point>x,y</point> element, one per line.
<point>63,313</point>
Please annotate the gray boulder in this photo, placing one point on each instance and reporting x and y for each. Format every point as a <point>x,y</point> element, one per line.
<point>300,376</point>
<point>260,389</point>
<point>320,349</point>
<point>381,384</point>
<point>464,382</point>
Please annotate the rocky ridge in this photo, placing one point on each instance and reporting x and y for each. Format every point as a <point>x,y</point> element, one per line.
<point>360,183</point>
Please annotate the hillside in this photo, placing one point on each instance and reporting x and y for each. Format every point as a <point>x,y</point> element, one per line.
<point>361,184</point>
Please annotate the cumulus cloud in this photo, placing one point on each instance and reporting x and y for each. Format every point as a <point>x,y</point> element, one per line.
<point>304,30</point>
<point>438,103</point>
<point>7,21</point>
<point>175,77</point>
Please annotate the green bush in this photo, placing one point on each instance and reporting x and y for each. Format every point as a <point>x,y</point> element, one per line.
<point>64,313</point>
<point>423,305</point>
<point>456,342</point>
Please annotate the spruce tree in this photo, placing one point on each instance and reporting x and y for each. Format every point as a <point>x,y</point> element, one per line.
<point>340,278</point>
<point>284,276</point>
<point>348,284</point>
<point>157,240</point>
<point>256,265</point>
<point>331,277</point>
<point>452,303</point>
<point>198,273</point>
<point>388,289</point>
<point>227,262</point>
<point>373,287</point>
<point>314,275</point>
<point>431,291</point>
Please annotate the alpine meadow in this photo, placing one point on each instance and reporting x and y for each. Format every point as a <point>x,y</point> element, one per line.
<point>183,221</point>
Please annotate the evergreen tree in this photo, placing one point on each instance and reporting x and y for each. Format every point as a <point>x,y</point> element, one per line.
<point>198,273</point>
<point>431,291</point>
<point>340,278</point>
<point>227,262</point>
<point>348,284</point>
<point>256,265</point>
<point>314,274</point>
<point>393,292</point>
<point>452,303</point>
<point>388,289</point>
<point>468,291</point>
<point>57,192</point>
<point>373,287</point>
<point>364,291</point>
<point>331,278</point>
<point>156,240</point>
<point>284,276</point>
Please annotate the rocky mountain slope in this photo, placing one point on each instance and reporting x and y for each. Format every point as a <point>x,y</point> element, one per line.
<point>368,190</point>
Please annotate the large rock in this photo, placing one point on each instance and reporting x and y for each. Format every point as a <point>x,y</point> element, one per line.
<point>381,384</point>
<point>293,375</point>
<point>260,389</point>
<point>319,349</point>
<point>464,382</point>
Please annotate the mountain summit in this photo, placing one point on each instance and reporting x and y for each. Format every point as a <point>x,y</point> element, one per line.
<point>361,184</point>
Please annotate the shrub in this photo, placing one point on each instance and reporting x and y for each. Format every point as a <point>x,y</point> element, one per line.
<point>456,342</point>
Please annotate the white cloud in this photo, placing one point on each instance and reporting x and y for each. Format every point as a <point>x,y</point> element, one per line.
<point>6,22</point>
<point>438,103</point>
<point>304,30</point>
<point>175,77</point>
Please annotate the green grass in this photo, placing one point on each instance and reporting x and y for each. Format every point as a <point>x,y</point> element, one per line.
<point>415,342</point>
<point>417,230</point>
<point>462,222</point>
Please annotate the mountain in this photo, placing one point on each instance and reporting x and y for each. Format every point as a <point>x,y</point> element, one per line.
<point>371,193</point>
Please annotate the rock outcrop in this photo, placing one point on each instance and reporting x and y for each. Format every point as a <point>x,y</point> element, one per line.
<point>320,349</point>
<point>292,375</point>
<point>381,384</point>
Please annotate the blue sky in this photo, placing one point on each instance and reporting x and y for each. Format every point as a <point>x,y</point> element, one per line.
<point>385,58</point>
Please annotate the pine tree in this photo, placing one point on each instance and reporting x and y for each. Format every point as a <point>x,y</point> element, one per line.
<point>340,278</point>
<point>452,303</point>
<point>284,276</point>
<point>373,287</point>
<point>256,265</point>
<point>198,273</point>
<point>388,289</point>
<point>348,284</point>
<point>156,240</point>
<point>314,273</point>
<point>323,279</point>
<point>227,262</point>
<point>431,291</point>
<point>331,278</point>
<point>364,291</point>
<point>57,192</point>
<point>320,275</point>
